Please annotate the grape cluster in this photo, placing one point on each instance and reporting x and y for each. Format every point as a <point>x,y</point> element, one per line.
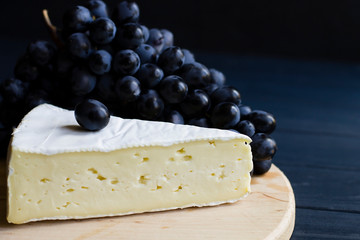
<point>135,71</point>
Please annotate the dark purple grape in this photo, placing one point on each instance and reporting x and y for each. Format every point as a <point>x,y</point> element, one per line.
<point>261,167</point>
<point>173,116</point>
<point>127,89</point>
<point>50,84</point>
<point>129,36</point>
<point>41,52</point>
<point>82,81</point>
<point>173,89</point>
<point>36,98</point>
<point>210,88</point>
<point>156,39</point>
<point>263,147</point>
<point>244,110</point>
<point>225,94</point>
<point>146,32</point>
<point>105,87</point>
<point>100,62</point>
<point>217,77</point>
<point>146,53</point>
<point>126,12</point>
<point>171,59</point>
<point>200,122</point>
<point>77,19</point>
<point>92,115</point>
<point>126,62</point>
<point>150,106</point>
<point>25,70</point>
<point>264,122</point>
<point>13,90</point>
<point>225,115</point>
<point>245,127</point>
<point>168,38</point>
<point>149,75</point>
<point>195,75</point>
<point>102,30</point>
<point>79,45</point>
<point>189,56</point>
<point>97,8</point>
<point>63,65</point>
<point>196,104</point>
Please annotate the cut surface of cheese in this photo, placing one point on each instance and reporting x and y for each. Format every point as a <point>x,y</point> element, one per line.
<point>59,171</point>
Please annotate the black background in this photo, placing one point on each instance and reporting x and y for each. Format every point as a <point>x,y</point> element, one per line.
<point>300,28</point>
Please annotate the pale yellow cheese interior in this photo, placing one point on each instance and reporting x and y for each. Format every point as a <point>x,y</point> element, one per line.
<point>132,180</point>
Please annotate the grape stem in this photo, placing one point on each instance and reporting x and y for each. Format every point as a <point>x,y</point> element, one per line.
<point>52,29</point>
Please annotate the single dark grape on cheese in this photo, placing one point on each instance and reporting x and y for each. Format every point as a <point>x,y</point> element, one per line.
<point>92,115</point>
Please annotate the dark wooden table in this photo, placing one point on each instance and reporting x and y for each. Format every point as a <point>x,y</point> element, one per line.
<point>317,107</point>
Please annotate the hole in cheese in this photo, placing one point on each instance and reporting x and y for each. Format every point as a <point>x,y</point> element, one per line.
<point>181,151</point>
<point>187,157</point>
<point>93,170</point>
<point>101,178</point>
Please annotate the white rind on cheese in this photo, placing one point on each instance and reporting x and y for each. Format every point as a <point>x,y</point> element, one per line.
<point>51,130</point>
<point>59,171</point>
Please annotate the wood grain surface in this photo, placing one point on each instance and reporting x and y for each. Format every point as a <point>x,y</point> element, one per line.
<point>267,213</point>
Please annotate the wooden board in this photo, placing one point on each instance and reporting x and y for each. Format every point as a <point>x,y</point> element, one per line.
<point>267,213</point>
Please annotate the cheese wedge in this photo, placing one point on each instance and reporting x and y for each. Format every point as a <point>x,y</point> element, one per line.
<point>57,170</point>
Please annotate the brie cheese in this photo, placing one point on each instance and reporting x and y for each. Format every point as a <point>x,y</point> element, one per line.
<point>57,170</point>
